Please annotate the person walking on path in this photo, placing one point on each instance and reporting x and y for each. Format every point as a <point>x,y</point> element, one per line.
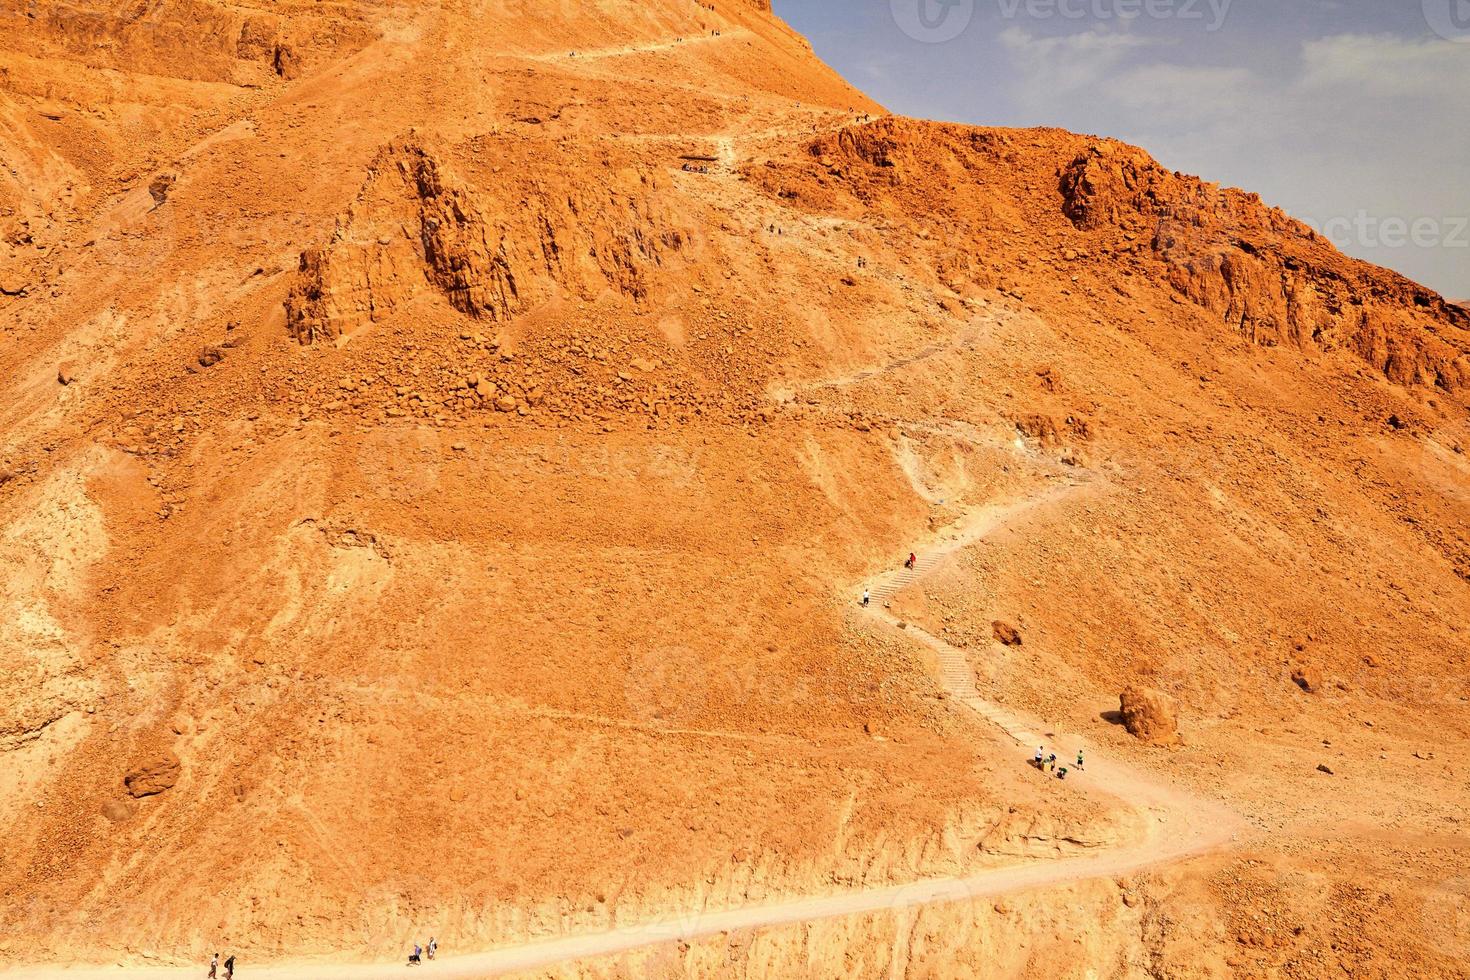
<point>214,966</point>
<point>230,967</point>
<point>913,560</point>
<point>433,947</point>
<point>1041,757</point>
<point>417,956</point>
<point>1079,759</point>
<point>1051,762</point>
<point>866,598</point>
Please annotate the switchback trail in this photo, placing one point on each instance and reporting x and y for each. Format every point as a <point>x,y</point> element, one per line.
<point>1179,826</point>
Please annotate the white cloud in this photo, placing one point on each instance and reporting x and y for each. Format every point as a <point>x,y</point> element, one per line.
<point>1385,67</point>
<point>1071,61</point>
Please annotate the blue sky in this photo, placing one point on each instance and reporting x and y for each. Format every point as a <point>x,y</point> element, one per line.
<point>1351,114</point>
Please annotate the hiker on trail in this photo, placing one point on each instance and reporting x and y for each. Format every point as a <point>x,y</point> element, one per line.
<point>1079,758</point>
<point>913,560</point>
<point>1062,773</point>
<point>433,947</point>
<point>416,958</point>
<point>1051,762</point>
<point>866,598</point>
<point>214,966</point>
<point>230,967</point>
<point>1041,757</point>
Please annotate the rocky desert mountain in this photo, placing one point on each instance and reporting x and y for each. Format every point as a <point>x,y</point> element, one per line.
<point>444,446</point>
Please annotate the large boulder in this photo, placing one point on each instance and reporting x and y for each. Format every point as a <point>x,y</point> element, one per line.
<point>153,777</point>
<point>1149,715</point>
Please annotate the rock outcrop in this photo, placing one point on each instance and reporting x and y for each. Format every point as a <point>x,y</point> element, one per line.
<point>492,249</point>
<point>1149,715</point>
<point>1266,275</point>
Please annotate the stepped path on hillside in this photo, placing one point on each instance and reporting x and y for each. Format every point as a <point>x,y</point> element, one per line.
<point>645,48</point>
<point>1178,825</point>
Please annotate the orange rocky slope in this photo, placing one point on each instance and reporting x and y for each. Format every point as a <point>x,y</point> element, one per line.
<point>451,519</point>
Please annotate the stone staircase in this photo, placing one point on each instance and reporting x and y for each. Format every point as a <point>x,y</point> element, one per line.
<point>894,582</point>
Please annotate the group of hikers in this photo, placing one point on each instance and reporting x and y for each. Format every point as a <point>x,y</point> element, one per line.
<point>1048,763</point>
<point>416,958</point>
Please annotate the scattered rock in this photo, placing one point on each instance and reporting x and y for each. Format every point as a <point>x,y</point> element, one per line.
<point>1307,678</point>
<point>159,188</point>
<point>1149,715</point>
<point>1006,634</point>
<point>153,777</point>
<point>117,810</point>
<point>66,373</point>
<point>210,355</point>
<point>1323,768</point>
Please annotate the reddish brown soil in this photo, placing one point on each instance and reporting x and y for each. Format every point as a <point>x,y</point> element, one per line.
<point>470,454</point>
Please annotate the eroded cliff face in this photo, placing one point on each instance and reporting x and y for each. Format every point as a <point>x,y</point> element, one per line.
<point>198,40</point>
<point>491,249</point>
<point>1270,277</point>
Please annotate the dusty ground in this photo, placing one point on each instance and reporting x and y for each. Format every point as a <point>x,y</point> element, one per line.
<point>443,446</point>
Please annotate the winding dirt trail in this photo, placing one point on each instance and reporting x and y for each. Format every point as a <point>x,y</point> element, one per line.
<point>1178,826</point>
<point>1179,823</point>
<point>648,47</point>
